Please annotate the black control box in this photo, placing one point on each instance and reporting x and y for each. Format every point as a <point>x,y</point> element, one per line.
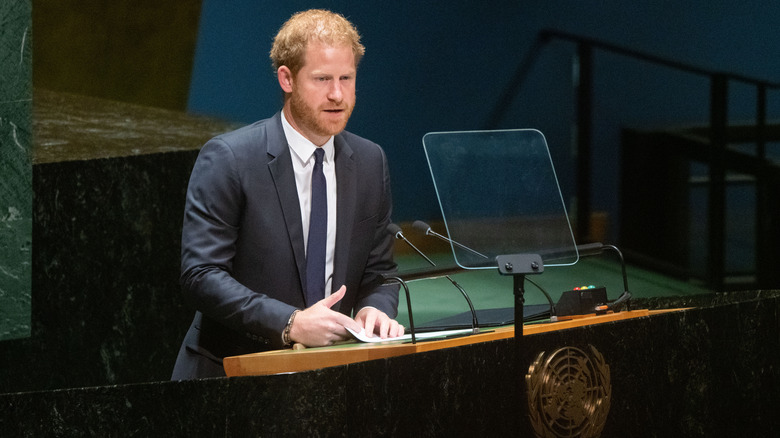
<point>581,301</point>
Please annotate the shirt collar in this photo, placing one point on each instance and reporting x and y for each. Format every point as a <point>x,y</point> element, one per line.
<point>301,146</point>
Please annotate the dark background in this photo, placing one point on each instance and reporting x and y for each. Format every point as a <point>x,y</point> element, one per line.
<point>430,66</point>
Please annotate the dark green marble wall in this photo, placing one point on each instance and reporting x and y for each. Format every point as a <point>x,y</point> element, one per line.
<point>15,169</point>
<point>109,180</point>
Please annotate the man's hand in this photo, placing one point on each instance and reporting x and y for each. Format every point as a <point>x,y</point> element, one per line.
<point>318,325</point>
<point>374,320</point>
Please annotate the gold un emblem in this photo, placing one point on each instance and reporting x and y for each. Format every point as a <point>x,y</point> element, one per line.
<point>569,393</point>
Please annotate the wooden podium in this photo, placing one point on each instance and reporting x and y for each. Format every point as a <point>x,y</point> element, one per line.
<point>306,359</point>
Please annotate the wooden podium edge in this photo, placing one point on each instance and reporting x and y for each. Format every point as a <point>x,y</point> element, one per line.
<point>308,359</point>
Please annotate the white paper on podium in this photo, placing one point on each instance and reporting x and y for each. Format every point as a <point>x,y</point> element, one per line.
<point>361,335</point>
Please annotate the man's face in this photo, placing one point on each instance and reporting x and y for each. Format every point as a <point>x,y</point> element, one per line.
<point>323,92</point>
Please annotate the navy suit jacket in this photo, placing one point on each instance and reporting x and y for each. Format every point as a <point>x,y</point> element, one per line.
<point>243,258</point>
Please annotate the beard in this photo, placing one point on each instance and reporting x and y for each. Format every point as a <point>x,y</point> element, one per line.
<point>313,120</point>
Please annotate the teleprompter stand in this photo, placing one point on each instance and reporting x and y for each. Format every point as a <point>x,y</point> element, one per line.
<point>518,266</point>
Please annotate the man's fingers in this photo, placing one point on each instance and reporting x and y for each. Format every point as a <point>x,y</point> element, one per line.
<point>369,323</point>
<point>334,298</point>
<point>348,323</point>
<point>376,321</point>
<point>384,327</point>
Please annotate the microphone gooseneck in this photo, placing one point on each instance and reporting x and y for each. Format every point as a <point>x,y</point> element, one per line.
<point>626,295</point>
<point>396,231</point>
<point>596,249</point>
<point>426,229</point>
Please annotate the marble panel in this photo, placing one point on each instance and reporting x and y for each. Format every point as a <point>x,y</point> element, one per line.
<point>109,181</point>
<point>15,169</point>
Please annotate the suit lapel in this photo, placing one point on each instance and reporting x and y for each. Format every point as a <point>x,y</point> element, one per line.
<point>280,166</point>
<point>346,183</point>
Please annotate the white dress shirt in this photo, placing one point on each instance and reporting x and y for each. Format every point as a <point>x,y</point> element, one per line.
<point>302,152</point>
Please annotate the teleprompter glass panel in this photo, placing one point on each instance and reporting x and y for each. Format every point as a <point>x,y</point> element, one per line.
<point>499,195</point>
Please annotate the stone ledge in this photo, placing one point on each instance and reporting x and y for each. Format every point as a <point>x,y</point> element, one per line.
<point>69,127</point>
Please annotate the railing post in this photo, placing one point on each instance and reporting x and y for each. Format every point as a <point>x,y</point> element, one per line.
<point>763,250</point>
<point>584,128</point>
<point>717,192</point>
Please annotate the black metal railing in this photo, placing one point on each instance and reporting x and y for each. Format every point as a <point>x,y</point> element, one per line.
<point>718,126</point>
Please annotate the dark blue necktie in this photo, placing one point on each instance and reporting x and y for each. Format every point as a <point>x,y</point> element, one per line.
<point>318,233</point>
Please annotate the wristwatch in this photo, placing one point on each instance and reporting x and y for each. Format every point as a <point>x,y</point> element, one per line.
<point>286,332</point>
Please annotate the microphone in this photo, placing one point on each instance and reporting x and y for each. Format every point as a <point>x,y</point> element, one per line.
<point>426,229</point>
<point>396,231</point>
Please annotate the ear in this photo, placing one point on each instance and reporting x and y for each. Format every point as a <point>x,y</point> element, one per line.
<point>285,77</point>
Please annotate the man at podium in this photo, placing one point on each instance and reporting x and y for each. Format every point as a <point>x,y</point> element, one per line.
<point>284,235</point>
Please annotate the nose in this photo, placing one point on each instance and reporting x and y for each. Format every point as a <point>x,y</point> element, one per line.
<point>336,93</point>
